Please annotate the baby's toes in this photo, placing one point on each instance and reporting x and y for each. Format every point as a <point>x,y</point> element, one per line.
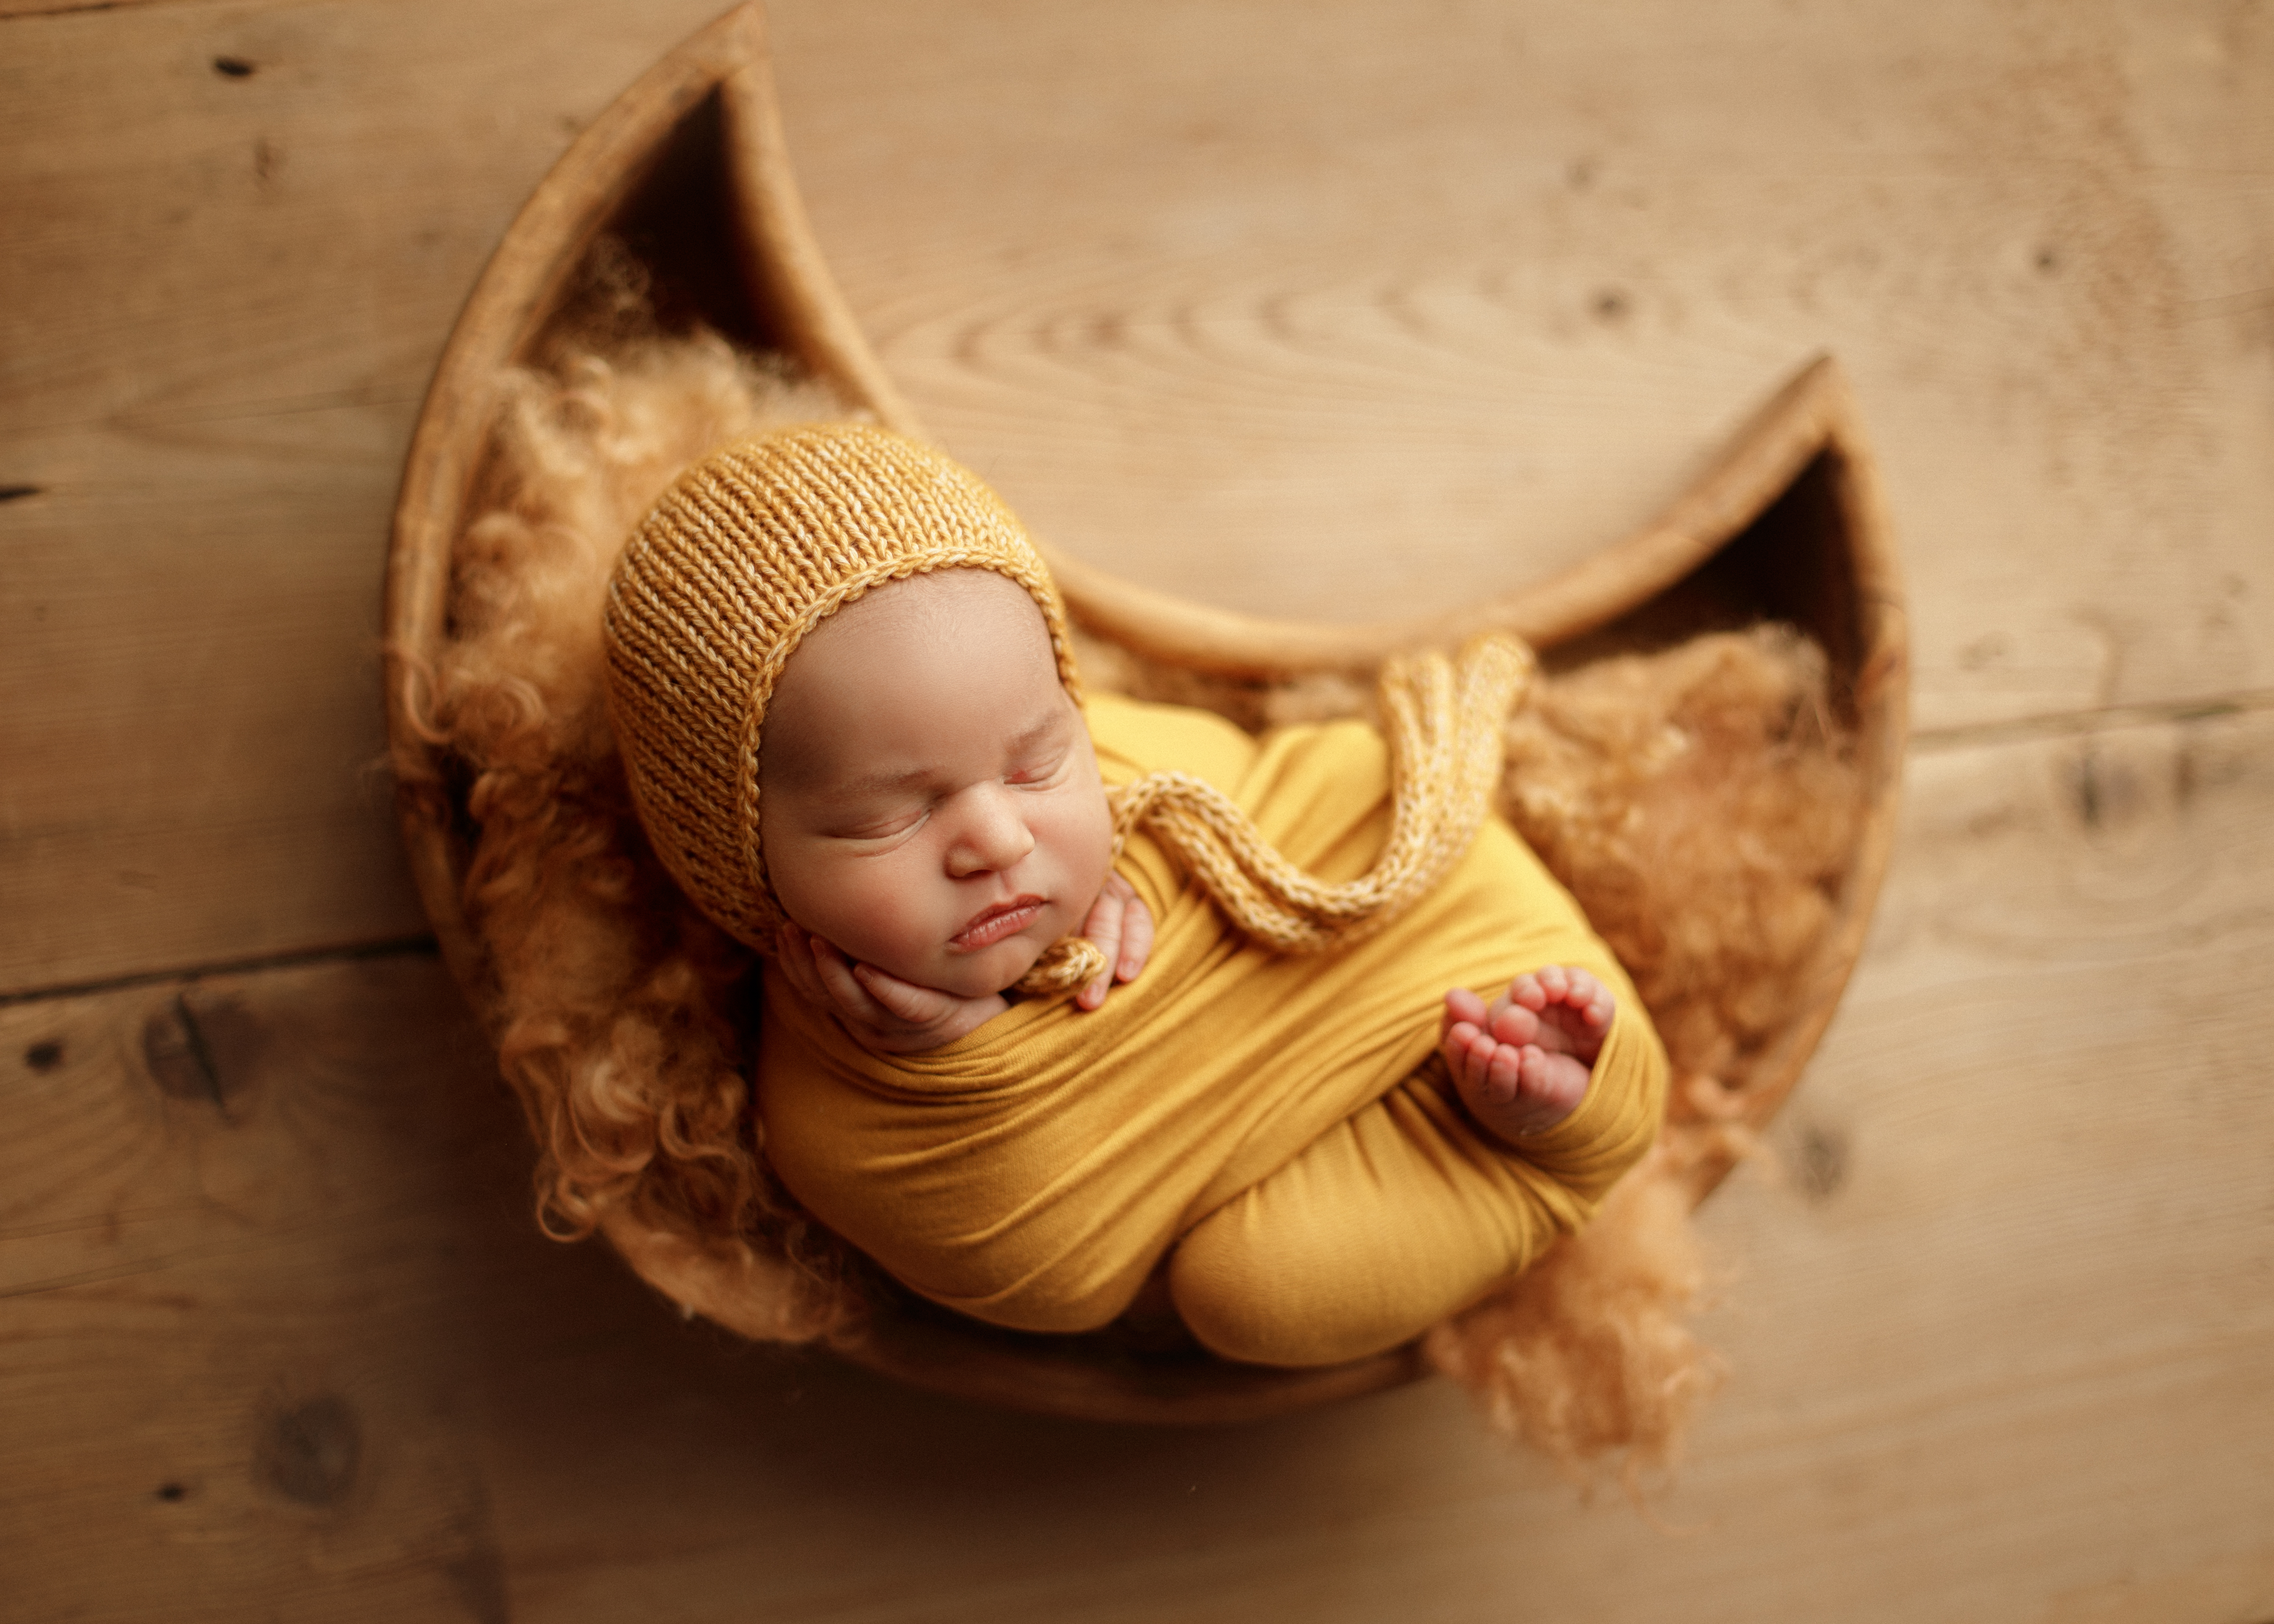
<point>1462,1007</point>
<point>1503,1073</point>
<point>1512,1023</point>
<point>1453,1041</point>
<point>1555,983</point>
<point>1468,1056</point>
<point>1552,1086</point>
<point>1591,999</point>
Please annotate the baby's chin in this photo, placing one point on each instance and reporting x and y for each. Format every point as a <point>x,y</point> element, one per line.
<point>997,966</point>
<point>991,970</point>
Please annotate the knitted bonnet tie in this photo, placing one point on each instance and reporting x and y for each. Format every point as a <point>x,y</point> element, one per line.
<point>756,545</point>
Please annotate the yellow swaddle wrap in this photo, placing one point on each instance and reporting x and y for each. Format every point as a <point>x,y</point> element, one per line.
<point>1281,1121</point>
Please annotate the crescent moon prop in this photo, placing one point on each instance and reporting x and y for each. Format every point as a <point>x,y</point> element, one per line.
<point>1786,523</point>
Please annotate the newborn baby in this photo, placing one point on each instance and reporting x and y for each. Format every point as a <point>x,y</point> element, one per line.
<point>847,707</point>
<point>933,820</point>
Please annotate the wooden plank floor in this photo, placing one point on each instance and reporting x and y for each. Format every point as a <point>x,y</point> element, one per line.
<point>1339,306</point>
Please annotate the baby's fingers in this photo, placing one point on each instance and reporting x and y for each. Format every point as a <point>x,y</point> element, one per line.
<point>1136,936</point>
<point>915,1005</point>
<point>794,958</point>
<point>1103,927</point>
<point>1122,926</point>
<point>844,992</point>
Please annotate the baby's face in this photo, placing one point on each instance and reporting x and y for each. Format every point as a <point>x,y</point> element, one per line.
<point>927,796</point>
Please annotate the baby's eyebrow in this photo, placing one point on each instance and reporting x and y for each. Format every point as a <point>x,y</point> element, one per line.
<point>881,783</point>
<point>1039,732</point>
<point>887,783</point>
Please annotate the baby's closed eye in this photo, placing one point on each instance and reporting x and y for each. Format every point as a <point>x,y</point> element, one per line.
<point>1039,775</point>
<point>871,824</point>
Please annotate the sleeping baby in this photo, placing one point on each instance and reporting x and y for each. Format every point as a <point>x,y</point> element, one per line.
<point>1064,995</point>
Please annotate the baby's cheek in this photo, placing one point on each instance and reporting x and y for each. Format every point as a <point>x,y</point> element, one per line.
<point>867,910</point>
<point>906,928</point>
<point>1087,837</point>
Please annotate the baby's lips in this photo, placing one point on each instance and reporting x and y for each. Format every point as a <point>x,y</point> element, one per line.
<point>993,923</point>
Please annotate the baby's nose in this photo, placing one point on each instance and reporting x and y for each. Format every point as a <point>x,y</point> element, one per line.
<point>991,835</point>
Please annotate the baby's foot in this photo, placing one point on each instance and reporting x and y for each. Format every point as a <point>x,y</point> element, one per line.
<point>1521,1065</point>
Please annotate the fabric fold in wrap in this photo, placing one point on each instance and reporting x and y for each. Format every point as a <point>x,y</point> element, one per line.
<point>1281,1121</point>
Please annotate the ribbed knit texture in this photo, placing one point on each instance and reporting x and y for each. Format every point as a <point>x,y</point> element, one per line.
<point>749,550</point>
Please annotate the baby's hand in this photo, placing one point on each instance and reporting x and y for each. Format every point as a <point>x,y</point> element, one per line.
<point>881,1012</point>
<point>1521,1065</point>
<point>1121,924</point>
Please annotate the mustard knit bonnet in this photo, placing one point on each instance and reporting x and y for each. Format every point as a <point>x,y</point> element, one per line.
<point>749,550</point>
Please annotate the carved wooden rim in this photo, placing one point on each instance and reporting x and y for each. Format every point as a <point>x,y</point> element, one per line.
<point>1808,425</point>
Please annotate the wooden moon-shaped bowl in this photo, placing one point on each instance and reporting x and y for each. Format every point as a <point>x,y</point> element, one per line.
<point>688,166</point>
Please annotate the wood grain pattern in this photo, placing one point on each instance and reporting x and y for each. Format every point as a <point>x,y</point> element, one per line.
<point>40,8</point>
<point>224,295</point>
<point>1355,313</point>
<point>234,1261</point>
<point>1398,302</point>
